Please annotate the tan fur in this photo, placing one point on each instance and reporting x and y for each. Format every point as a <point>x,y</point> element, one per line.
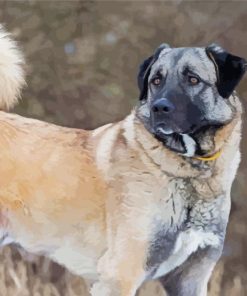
<point>88,199</point>
<point>58,201</point>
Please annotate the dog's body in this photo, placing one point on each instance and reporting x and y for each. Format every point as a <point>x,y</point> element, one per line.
<point>84,197</point>
<point>115,204</point>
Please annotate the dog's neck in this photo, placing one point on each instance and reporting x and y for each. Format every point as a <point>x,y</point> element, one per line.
<point>226,140</point>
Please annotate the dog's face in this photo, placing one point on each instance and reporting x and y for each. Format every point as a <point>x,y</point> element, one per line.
<point>186,94</point>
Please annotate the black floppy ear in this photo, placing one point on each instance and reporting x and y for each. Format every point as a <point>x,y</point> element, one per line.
<point>229,69</point>
<point>145,69</point>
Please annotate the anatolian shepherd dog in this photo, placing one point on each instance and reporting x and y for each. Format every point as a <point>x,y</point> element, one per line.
<point>144,198</point>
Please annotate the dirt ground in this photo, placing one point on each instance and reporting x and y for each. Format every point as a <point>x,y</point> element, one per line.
<point>82,59</point>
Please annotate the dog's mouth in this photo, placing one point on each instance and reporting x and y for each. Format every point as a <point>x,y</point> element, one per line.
<point>173,141</point>
<point>199,141</point>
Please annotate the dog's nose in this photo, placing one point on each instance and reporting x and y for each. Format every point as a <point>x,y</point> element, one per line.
<point>162,105</point>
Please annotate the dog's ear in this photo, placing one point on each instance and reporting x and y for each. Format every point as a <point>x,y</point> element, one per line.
<point>229,69</point>
<point>145,69</point>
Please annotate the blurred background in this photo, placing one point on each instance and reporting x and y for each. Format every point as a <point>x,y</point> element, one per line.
<point>82,59</point>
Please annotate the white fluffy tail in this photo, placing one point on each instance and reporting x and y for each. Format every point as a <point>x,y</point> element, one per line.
<point>11,71</point>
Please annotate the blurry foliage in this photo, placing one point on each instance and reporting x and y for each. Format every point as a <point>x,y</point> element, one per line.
<point>82,59</point>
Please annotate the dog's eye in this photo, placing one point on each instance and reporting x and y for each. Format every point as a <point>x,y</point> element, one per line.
<point>194,80</point>
<point>156,81</point>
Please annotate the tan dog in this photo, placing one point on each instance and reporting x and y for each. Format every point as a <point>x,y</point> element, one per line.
<point>135,200</point>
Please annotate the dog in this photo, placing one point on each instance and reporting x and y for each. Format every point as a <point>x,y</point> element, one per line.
<point>144,198</point>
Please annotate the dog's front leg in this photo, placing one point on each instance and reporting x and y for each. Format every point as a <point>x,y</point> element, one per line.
<point>191,278</point>
<point>112,287</point>
<point>122,268</point>
<point>120,274</point>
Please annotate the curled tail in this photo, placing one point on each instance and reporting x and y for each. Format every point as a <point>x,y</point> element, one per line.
<point>11,71</point>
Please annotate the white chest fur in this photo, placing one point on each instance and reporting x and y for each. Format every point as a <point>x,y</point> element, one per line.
<point>187,243</point>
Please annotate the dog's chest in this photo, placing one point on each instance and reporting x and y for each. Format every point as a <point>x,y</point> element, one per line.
<point>188,223</point>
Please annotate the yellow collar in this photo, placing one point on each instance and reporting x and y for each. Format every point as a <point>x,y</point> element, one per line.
<point>209,158</point>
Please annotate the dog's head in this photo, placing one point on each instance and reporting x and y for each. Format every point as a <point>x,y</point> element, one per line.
<point>186,95</point>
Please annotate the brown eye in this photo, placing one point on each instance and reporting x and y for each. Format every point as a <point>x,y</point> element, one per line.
<point>156,81</point>
<point>193,80</point>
